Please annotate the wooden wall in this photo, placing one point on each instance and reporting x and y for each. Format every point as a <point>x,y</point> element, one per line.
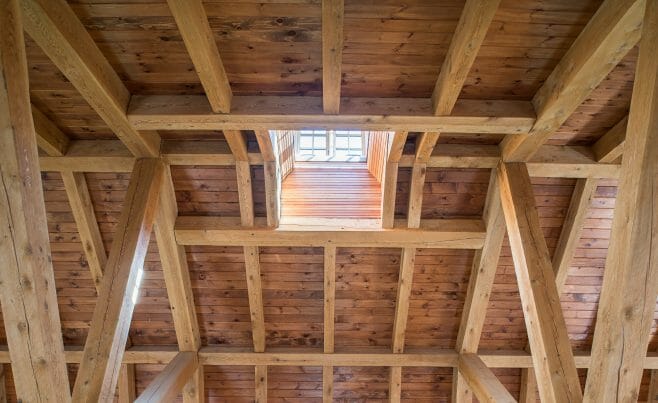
<point>378,144</point>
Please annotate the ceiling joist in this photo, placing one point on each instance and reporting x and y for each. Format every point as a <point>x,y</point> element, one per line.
<point>332,54</point>
<point>190,112</point>
<point>413,357</point>
<point>200,42</point>
<point>455,234</point>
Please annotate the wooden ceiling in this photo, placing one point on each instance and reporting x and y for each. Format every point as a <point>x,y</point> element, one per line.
<point>415,307</point>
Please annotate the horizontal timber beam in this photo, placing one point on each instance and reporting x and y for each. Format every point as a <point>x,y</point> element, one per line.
<point>188,112</point>
<point>412,357</point>
<point>112,156</point>
<point>452,234</point>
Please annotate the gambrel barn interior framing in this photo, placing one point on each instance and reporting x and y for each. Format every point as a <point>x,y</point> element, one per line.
<point>328,200</point>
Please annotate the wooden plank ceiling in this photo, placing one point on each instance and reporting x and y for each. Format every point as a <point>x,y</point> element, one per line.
<point>390,49</point>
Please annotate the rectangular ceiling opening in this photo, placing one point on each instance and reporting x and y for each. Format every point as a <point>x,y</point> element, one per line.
<point>332,173</point>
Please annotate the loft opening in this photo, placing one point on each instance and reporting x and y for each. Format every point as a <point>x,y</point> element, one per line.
<point>332,173</point>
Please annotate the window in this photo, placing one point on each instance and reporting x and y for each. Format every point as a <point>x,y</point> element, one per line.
<point>330,145</point>
<point>348,143</point>
<point>312,143</point>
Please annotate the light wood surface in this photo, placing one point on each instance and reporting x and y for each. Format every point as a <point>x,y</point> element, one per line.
<point>61,35</point>
<point>192,23</point>
<point>547,332</point>
<point>484,384</point>
<point>630,285</point>
<point>27,285</point>
<point>99,368</point>
<point>169,383</point>
<point>332,53</point>
<point>609,35</point>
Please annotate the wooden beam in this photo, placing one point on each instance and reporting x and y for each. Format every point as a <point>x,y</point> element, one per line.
<point>188,112</point>
<point>483,273</point>
<point>371,357</point>
<point>652,396</point>
<point>55,143</point>
<point>332,53</point>
<point>3,390</point>
<point>327,384</point>
<point>27,285</point>
<point>567,243</point>
<point>255,292</point>
<point>405,281</point>
<point>461,392</point>
<point>49,137</point>
<point>484,384</point>
<point>572,228</point>
<point>457,234</point>
<point>390,182</point>
<point>108,332</point>
<point>61,35</point>
<point>425,143</point>
<point>265,145</point>
<point>260,377</point>
<point>111,156</point>
<point>466,41</point>
<point>395,384</point>
<point>329,319</point>
<point>605,40</point>
<point>389,191</point>
<point>547,332</point>
<point>169,383</point>
<point>528,389</point>
<point>179,288</point>
<point>416,188</point>
<point>237,143</point>
<point>200,42</point>
<point>175,270</point>
<point>630,280</point>
<point>396,147</point>
<point>272,175</point>
<point>245,195</point>
<point>126,392</point>
<point>329,297</point>
<point>82,207</point>
<point>610,147</point>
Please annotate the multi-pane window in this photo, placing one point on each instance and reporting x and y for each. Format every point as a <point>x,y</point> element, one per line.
<point>348,143</point>
<point>330,144</point>
<point>312,143</point>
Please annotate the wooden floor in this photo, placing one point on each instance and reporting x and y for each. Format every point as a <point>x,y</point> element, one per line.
<point>336,190</point>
